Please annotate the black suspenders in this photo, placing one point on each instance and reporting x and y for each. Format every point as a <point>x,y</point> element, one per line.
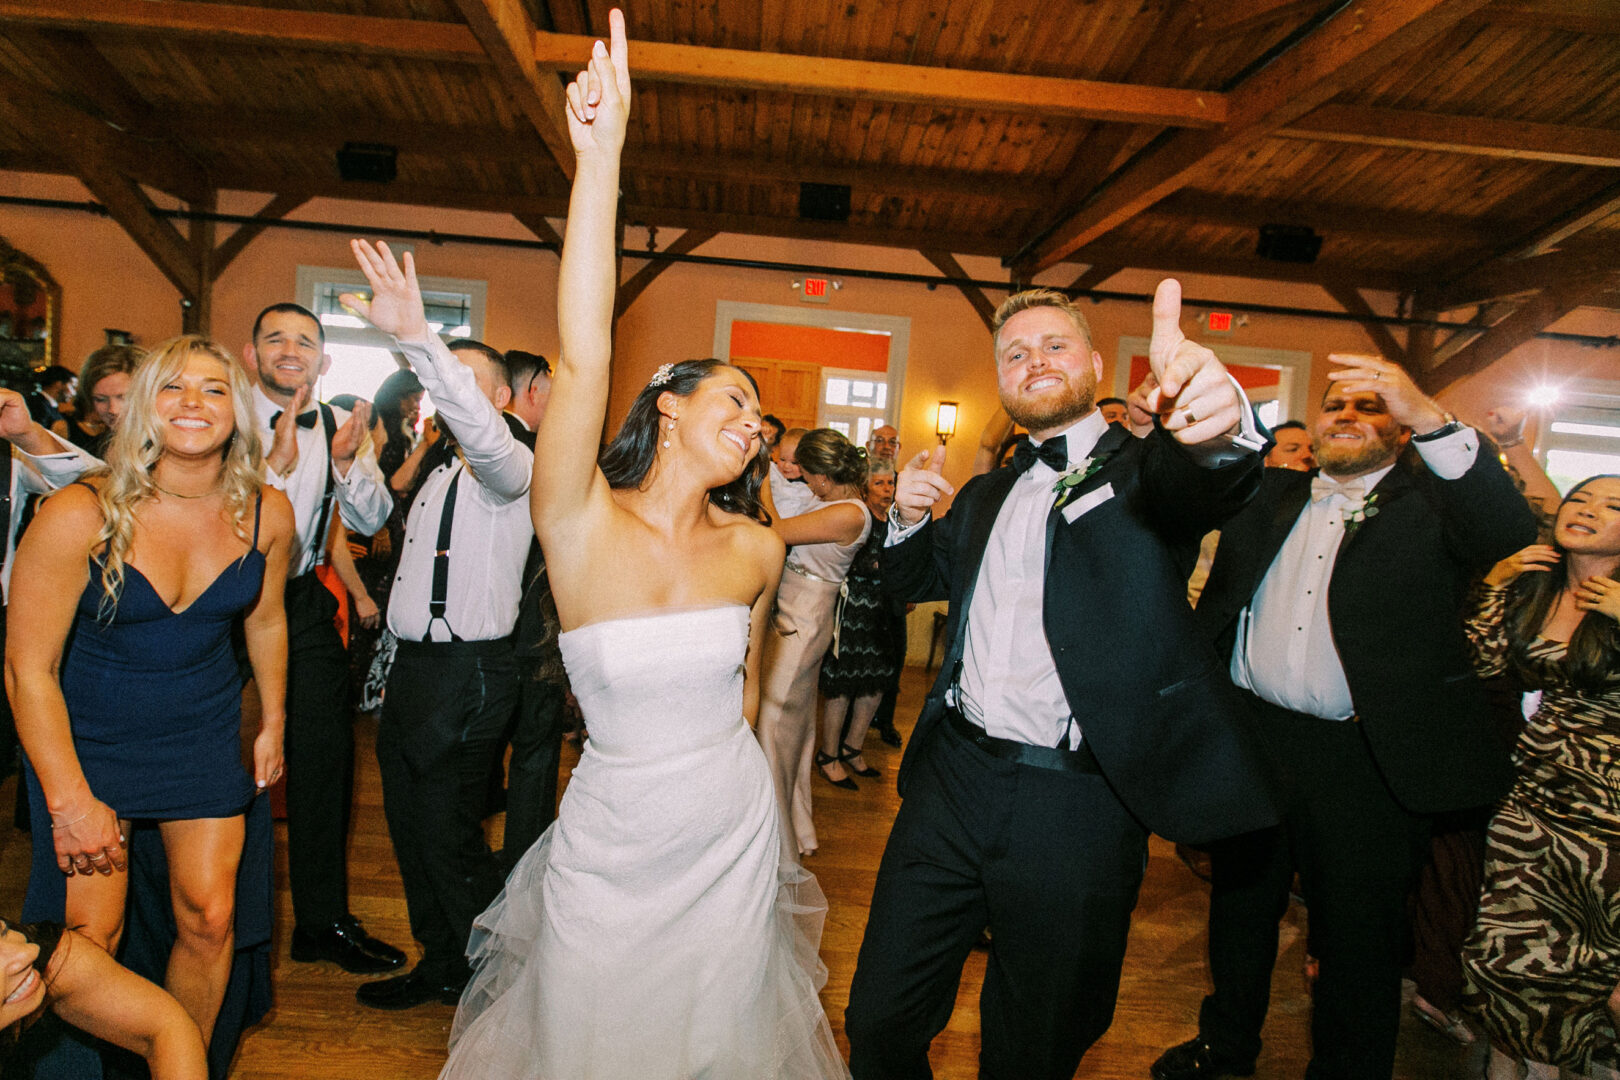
<point>5,503</point>
<point>329,425</point>
<point>441,562</point>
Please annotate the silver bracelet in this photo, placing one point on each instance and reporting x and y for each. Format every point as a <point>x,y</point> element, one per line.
<point>75,821</point>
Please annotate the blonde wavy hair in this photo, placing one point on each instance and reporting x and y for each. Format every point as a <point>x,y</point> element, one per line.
<point>138,442</point>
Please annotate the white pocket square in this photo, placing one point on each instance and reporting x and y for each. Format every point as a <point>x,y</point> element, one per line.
<point>1089,501</point>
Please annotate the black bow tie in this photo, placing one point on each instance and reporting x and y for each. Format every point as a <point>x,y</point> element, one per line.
<point>1054,451</point>
<point>305,419</point>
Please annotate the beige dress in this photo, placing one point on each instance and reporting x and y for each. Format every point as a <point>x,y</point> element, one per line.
<point>803,626</point>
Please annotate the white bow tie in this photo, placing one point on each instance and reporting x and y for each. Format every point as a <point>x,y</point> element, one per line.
<point>1353,490</point>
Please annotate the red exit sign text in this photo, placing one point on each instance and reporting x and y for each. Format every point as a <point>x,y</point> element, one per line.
<point>1220,322</point>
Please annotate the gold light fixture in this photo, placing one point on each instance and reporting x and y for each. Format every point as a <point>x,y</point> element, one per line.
<point>945,420</point>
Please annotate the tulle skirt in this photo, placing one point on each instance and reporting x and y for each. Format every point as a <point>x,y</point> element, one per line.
<point>654,931</point>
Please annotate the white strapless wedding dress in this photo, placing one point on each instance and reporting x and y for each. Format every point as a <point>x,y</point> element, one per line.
<point>655,930</point>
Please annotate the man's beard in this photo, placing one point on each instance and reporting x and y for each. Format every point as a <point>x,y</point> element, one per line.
<point>1371,455</point>
<point>1054,413</point>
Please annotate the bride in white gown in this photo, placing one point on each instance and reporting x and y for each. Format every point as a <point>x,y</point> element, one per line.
<point>655,931</point>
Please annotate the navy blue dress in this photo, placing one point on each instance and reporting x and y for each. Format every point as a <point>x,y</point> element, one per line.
<point>154,700</point>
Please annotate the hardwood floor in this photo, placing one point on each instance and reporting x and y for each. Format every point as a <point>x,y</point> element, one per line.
<point>318,1031</point>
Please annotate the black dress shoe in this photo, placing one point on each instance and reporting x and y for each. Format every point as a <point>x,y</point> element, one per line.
<point>890,737</point>
<point>409,990</point>
<point>348,946</point>
<point>1194,1060</point>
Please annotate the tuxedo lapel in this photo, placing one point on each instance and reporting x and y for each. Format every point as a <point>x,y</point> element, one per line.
<point>1395,484</point>
<point>1108,445</point>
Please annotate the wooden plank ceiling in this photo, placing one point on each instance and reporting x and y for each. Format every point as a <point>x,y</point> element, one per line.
<point>1444,149</point>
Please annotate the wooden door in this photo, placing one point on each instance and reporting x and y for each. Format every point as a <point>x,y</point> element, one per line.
<point>789,390</point>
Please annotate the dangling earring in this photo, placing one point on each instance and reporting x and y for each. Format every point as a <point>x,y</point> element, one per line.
<point>671,428</point>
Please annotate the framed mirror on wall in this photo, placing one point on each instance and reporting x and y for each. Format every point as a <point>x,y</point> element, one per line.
<point>30,317</point>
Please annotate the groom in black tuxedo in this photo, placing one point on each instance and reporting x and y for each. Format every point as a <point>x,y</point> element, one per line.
<point>1057,735</point>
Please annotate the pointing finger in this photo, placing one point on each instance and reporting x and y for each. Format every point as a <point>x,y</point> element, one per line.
<point>1166,317</point>
<point>936,459</point>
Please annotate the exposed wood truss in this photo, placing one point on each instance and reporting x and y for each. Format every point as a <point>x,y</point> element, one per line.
<point>983,307</point>
<point>632,289</point>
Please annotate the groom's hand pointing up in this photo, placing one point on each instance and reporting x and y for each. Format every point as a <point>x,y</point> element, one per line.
<point>1194,396</point>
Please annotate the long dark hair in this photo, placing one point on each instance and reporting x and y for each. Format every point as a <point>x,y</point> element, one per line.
<point>826,452</point>
<point>629,457</point>
<point>1594,647</point>
<point>385,405</point>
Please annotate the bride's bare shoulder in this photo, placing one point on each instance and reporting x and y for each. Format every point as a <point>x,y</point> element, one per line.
<point>744,530</point>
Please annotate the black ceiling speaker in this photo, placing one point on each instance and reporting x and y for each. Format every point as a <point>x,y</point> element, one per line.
<point>1289,243</point>
<point>824,202</point>
<point>374,163</point>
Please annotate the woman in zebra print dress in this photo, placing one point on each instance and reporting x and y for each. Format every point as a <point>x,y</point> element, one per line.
<point>1543,962</point>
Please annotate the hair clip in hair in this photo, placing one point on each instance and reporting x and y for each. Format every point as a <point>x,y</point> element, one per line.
<point>664,373</point>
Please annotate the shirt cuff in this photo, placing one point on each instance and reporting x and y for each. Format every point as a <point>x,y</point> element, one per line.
<point>66,452</point>
<point>1224,450</point>
<point>898,532</point>
<point>1450,456</point>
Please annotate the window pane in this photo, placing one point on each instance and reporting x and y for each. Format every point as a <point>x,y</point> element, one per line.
<point>356,369</point>
<point>861,392</point>
<point>1566,468</point>
<point>840,426</point>
<point>883,395</point>
<point>837,391</point>
<point>1270,412</point>
<point>863,430</point>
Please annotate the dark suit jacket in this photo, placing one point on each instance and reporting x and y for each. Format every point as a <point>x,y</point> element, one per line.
<point>1395,601</point>
<point>1143,682</point>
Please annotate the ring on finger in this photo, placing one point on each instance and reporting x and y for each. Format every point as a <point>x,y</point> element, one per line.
<point>1191,419</point>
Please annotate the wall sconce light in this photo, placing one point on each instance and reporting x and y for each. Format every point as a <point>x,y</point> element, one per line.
<point>945,420</point>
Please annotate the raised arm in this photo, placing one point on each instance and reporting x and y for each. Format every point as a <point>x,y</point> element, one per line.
<point>840,523</point>
<point>598,109</point>
<point>996,431</point>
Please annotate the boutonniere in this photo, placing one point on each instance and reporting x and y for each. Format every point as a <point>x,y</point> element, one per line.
<point>1076,475</point>
<point>1354,516</point>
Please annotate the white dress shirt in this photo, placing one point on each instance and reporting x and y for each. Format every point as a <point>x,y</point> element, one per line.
<point>38,475</point>
<point>1285,652</point>
<point>489,539</point>
<point>362,496</point>
<point>792,497</point>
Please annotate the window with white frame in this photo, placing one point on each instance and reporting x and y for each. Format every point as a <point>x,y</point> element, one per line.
<point>1581,436</point>
<point>363,356</point>
<point>853,403</point>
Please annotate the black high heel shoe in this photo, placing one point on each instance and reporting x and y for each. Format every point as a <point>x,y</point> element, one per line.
<point>824,760</point>
<point>849,754</point>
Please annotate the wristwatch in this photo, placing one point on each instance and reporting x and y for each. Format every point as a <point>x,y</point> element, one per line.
<point>1450,427</point>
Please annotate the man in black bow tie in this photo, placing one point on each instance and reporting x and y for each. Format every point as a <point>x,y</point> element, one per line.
<point>1057,735</point>
<point>1333,601</point>
<point>321,458</point>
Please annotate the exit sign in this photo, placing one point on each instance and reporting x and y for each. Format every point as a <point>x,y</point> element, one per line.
<point>1220,322</point>
<point>815,289</point>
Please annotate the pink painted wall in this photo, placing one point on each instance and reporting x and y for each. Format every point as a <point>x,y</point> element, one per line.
<point>107,281</point>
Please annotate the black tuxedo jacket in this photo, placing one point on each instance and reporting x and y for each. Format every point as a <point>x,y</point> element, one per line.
<point>1395,601</point>
<point>1145,685</point>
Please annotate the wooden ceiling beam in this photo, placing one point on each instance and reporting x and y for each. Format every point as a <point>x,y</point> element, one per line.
<point>507,33</point>
<point>274,210</point>
<point>537,224</point>
<point>1211,208</point>
<point>872,80</point>
<point>61,131</point>
<point>1228,18</point>
<point>1498,280</point>
<point>1565,225</point>
<point>161,241</point>
<point>1477,136</point>
<point>1529,319</point>
<point>1092,277</point>
<point>637,283</point>
<point>1350,47</point>
<point>87,78</point>
<point>1350,298</point>
<point>1600,17</point>
<point>496,23</point>
<point>982,305</point>
<point>1181,261</point>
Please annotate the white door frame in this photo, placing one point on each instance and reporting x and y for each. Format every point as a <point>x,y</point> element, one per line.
<point>898,327</point>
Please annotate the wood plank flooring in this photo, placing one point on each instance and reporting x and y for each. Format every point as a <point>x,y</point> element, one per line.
<point>318,1031</point>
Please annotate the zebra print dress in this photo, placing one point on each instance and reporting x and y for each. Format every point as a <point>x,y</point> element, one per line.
<point>1544,955</point>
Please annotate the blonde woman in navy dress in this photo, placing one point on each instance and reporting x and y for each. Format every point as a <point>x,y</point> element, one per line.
<point>120,667</point>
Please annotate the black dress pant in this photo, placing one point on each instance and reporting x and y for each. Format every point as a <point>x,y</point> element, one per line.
<point>1357,853</point>
<point>1050,861</point>
<point>531,777</point>
<point>319,750</point>
<point>443,717</point>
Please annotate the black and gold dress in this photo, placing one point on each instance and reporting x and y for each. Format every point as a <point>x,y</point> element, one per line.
<point>1544,955</point>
